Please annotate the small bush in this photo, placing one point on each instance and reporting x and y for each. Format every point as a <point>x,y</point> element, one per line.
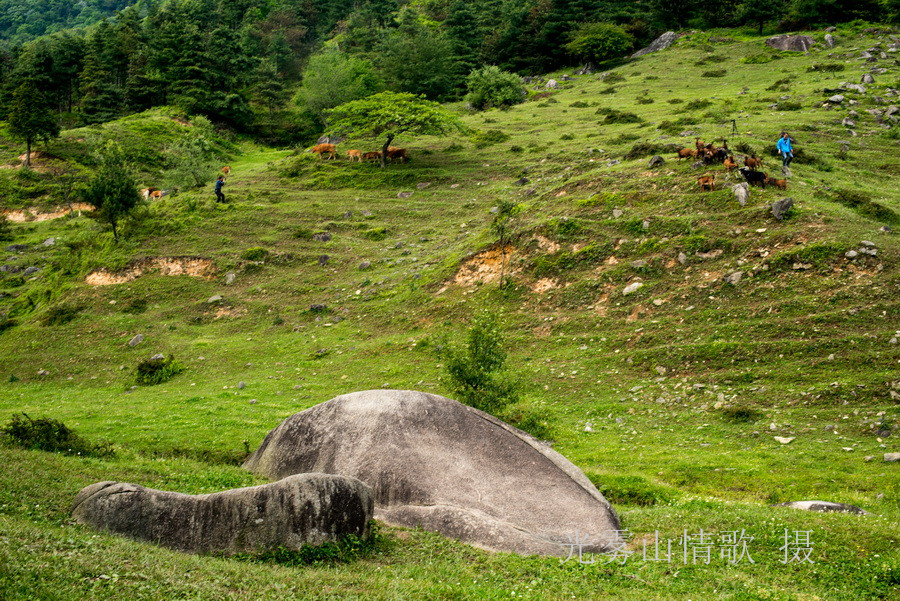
<point>674,100</point>
<point>454,148</point>
<point>531,421</point>
<point>758,59</point>
<point>864,205</point>
<point>376,234</point>
<point>740,414</point>
<point>599,42</point>
<point>61,314</point>
<point>567,137</point>
<point>489,137</point>
<point>256,253</point>
<point>156,371</point>
<point>614,78</point>
<point>516,148</point>
<point>303,233</point>
<point>714,73</point>
<point>644,100</point>
<point>476,370</point>
<point>616,116</point>
<point>696,105</point>
<point>493,87</point>
<point>135,306</point>
<point>625,138</point>
<point>6,324</point>
<point>643,149</point>
<point>825,68</point>
<point>579,104</point>
<point>47,434</point>
<point>789,106</point>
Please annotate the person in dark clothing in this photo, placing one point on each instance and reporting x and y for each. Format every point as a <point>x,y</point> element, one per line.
<point>220,197</point>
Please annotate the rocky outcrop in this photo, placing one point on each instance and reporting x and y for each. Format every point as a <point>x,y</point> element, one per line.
<point>793,43</point>
<point>660,43</point>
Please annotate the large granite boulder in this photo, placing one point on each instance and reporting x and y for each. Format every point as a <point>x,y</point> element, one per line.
<point>304,509</point>
<point>449,468</point>
<point>660,43</point>
<point>794,43</point>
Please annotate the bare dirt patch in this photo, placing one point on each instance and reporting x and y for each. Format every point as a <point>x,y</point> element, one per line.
<point>35,214</point>
<point>191,266</point>
<point>484,267</point>
<point>544,285</point>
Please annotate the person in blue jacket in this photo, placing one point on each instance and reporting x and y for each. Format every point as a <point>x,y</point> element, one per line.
<point>786,150</point>
<point>220,196</point>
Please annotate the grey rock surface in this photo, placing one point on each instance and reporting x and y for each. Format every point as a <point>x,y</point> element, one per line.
<point>299,510</point>
<point>444,466</point>
<point>660,43</point>
<point>794,43</point>
<point>781,207</point>
<point>741,192</point>
<point>823,506</point>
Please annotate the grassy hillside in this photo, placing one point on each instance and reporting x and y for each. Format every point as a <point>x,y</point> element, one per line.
<point>669,398</point>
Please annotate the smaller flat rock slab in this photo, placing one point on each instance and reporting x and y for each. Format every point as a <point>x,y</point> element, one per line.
<point>303,509</point>
<point>824,506</point>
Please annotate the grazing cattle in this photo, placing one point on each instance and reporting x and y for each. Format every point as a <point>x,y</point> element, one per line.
<point>226,170</point>
<point>780,184</point>
<point>354,155</point>
<point>396,153</point>
<point>754,178</point>
<point>685,153</point>
<point>323,149</point>
<point>372,156</point>
<point>698,144</point>
<point>707,182</point>
<point>729,163</point>
<point>753,163</point>
<point>146,192</point>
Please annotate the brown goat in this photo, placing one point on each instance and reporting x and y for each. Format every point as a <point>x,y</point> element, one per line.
<point>729,163</point>
<point>686,153</point>
<point>780,184</point>
<point>323,149</point>
<point>354,155</point>
<point>753,163</point>
<point>698,144</point>
<point>707,182</point>
<point>374,156</point>
<point>226,170</point>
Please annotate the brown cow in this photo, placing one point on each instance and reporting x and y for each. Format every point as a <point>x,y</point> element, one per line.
<point>372,156</point>
<point>685,153</point>
<point>226,170</point>
<point>753,163</point>
<point>323,149</point>
<point>396,153</point>
<point>707,182</point>
<point>354,155</point>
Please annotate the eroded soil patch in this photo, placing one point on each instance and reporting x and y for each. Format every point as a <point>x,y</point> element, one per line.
<point>192,266</point>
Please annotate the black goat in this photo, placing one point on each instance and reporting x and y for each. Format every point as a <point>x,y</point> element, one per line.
<point>757,178</point>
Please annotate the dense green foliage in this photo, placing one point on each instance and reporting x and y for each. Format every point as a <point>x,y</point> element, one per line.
<point>332,78</point>
<point>31,118</point>
<point>476,370</point>
<point>492,87</point>
<point>157,371</point>
<point>112,191</point>
<point>48,434</point>
<point>599,42</point>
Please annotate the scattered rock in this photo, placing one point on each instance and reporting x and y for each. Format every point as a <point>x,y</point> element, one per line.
<point>823,506</point>
<point>617,213</point>
<point>660,43</point>
<point>322,237</point>
<point>365,265</point>
<point>422,185</point>
<point>49,242</point>
<point>157,356</point>
<point>793,43</point>
<point>323,260</point>
<point>682,258</point>
<point>302,509</point>
<point>44,372</point>
<point>10,268</point>
<point>713,254</point>
<point>521,181</point>
<point>829,40</point>
<point>639,263</point>
<point>836,99</point>
<point>612,162</point>
<point>734,278</point>
<point>443,466</point>
<point>698,165</point>
<point>242,385</point>
<point>552,84</point>
<point>892,457</point>
<point>855,87</point>
<point>366,213</point>
<point>15,248</point>
<point>139,338</point>
<point>867,243</point>
<point>741,192</point>
<point>780,208</point>
<point>848,122</point>
<point>851,254</point>
<point>588,69</point>
<point>230,277</point>
<point>588,427</point>
<point>317,308</point>
<point>404,194</point>
<point>867,78</point>
<point>216,298</point>
<point>31,270</point>
<point>656,161</point>
<point>783,440</point>
<point>633,287</point>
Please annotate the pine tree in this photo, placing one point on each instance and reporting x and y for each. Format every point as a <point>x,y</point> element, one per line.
<point>31,117</point>
<point>113,190</point>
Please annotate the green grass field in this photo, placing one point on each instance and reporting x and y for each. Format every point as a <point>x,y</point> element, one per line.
<point>669,398</point>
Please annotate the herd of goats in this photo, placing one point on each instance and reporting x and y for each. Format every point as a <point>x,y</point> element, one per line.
<point>710,154</point>
<point>328,151</point>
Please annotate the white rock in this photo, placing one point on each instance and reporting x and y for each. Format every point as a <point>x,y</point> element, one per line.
<point>632,287</point>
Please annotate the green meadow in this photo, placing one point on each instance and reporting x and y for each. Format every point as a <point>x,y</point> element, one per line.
<point>670,398</point>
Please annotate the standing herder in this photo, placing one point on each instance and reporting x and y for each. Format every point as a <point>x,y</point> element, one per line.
<point>220,196</point>
<point>786,150</point>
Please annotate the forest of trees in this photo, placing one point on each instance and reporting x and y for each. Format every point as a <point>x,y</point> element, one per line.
<point>242,62</point>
